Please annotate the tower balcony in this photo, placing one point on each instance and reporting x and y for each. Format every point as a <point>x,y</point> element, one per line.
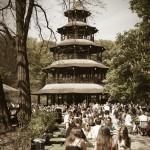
<point>73,80</point>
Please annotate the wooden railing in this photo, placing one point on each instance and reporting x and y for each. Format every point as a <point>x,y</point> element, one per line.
<point>73,80</point>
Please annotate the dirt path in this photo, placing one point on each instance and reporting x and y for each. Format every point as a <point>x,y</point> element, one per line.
<point>8,140</point>
<point>140,142</point>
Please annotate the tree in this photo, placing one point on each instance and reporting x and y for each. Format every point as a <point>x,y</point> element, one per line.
<point>22,11</point>
<point>109,50</point>
<point>7,57</point>
<point>5,116</point>
<point>128,77</point>
<point>39,57</point>
<point>142,8</point>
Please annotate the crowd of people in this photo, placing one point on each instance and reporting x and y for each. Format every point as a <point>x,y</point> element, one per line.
<point>108,125</point>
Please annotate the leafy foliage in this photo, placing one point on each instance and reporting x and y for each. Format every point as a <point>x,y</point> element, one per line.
<point>142,8</point>
<point>41,122</point>
<point>39,57</point>
<point>128,77</point>
<point>109,50</point>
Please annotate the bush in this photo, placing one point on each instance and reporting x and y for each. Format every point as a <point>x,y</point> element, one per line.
<point>42,122</point>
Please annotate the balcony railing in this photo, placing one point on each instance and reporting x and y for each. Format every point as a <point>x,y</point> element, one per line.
<point>73,80</point>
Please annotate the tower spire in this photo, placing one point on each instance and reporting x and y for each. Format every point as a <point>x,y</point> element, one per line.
<point>78,4</point>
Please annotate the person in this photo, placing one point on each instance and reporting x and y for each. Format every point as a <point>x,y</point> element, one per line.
<point>128,121</point>
<point>67,118</point>
<point>143,122</point>
<point>87,130</point>
<point>77,123</point>
<point>95,129</point>
<point>107,109</point>
<point>104,140</point>
<point>74,140</point>
<point>109,124</point>
<point>143,119</point>
<point>124,141</point>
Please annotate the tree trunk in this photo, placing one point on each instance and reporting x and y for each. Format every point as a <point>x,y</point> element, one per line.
<point>3,107</point>
<point>22,61</point>
<point>23,80</point>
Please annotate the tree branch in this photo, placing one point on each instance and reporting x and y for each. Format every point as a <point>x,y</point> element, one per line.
<point>65,4</point>
<point>5,7</point>
<point>28,17</point>
<point>5,29</point>
<point>4,37</point>
<point>47,23</point>
<point>40,30</point>
<point>37,23</point>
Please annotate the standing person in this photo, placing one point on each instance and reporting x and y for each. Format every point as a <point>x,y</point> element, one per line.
<point>107,109</point>
<point>87,131</point>
<point>104,140</point>
<point>143,122</point>
<point>95,129</point>
<point>74,140</point>
<point>77,123</point>
<point>124,141</point>
<point>128,121</point>
<point>67,118</point>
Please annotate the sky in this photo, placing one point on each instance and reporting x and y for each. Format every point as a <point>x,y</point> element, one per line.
<point>115,17</point>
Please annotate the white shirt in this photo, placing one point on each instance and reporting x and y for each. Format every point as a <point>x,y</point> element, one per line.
<point>106,108</point>
<point>143,118</point>
<point>95,130</point>
<point>88,134</point>
<point>66,118</point>
<point>128,120</point>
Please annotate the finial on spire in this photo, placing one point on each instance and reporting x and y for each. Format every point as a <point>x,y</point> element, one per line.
<point>78,4</point>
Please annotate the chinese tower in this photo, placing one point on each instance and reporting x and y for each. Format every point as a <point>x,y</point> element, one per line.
<point>77,73</point>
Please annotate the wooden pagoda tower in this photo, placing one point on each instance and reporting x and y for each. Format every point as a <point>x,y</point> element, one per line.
<point>76,74</point>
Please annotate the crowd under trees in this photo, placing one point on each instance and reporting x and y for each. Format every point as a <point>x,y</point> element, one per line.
<point>128,60</point>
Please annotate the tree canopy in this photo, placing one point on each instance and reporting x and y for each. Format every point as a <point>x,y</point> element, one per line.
<point>129,74</point>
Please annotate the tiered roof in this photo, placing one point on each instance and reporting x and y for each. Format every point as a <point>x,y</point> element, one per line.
<point>77,10</point>
<point>76,37</point>
<point>82,27</point>
<point>64,88</point>
<point>75,63</point>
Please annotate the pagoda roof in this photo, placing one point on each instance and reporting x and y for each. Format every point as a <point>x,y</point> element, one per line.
<point>71,45</point>
<point>78,12</point>
<point>76,42</point>
<point>65,88</point>
<point>8,88</point>
<point>78,24</point>
<point>75,63</point>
